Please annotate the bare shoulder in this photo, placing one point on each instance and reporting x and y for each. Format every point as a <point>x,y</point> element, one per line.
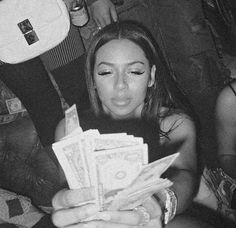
<point>179,126</point>
<point>181,137</point>
<point>60,130</point>
<point>226,104</point>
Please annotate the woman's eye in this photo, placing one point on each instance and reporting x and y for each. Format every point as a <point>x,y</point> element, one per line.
<point>103,73</point>
<point>136,72</point>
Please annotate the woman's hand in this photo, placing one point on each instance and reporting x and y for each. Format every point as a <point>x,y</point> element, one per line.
<point>148,215</point>
<point>66,214</point>
<point>103,12</point>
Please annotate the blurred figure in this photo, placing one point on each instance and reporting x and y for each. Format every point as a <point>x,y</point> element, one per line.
<point>66,63</point>
<point>226,129</point>
<point>30,82</point>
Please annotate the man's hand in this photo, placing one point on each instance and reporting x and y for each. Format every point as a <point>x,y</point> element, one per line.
<point>103,12</point>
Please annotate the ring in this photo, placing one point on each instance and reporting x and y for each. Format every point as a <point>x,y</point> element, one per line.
<point>143,215</point>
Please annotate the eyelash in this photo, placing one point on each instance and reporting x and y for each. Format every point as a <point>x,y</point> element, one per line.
<point>132,72</point>
<point>137,72</point>
<point>104,73</point>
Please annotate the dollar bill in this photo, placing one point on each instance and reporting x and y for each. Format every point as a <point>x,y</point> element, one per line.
<point>72,120</point>
<point>133,196</point>
<point>156,168</point>
<point>115,166</point>
<point>73,162</point>
<point>104,142</point>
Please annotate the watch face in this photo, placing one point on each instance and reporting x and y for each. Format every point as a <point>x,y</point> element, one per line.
<point>25,26</point>
<point>31,37</point>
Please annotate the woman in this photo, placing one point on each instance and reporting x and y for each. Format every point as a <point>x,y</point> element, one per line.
<point>181,30</point>
<point>127,78</point>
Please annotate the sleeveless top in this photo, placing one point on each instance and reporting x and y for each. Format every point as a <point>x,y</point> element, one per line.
<point>231,87</point>
<point>137,127</point>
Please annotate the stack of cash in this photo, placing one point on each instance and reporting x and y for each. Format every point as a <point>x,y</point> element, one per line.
<point>112,167</point>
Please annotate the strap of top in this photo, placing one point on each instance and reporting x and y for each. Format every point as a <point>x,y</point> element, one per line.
<point>231,87</point>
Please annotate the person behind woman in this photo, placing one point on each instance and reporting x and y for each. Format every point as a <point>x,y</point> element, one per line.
<point>127,78</point>
<point>66,63</point>
<point>226,129</point>
<point>30,82</point>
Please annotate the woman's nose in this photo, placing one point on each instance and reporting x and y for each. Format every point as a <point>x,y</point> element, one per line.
<point>121,81</point>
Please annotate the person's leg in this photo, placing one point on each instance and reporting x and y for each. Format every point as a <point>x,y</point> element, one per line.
<point>30,82</point>
<point>184,221</point>
<point>66,62</point>
<point>70,79</point>
<point>199,216</point>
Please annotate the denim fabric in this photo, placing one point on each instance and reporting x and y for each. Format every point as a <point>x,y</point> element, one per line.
<point>30,82</point>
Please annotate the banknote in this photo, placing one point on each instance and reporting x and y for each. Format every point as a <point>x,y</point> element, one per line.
<point>105,142</point>
<point>73,162</point>
<point>116,168</point>
<point>72,120</point>
<point>113,166</point>
<point>131,197</point>
<point>156,168</point>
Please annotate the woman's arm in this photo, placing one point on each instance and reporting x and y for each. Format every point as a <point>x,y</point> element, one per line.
<point>183,172</point>
<point>60,131</point>
<point>226,130</point>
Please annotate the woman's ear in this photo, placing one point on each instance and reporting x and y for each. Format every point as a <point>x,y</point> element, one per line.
<point>152,76</point>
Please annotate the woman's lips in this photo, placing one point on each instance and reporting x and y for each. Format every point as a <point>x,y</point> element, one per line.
<point>121,102</point>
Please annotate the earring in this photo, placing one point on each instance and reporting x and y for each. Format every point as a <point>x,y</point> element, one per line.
<point>150,84</point>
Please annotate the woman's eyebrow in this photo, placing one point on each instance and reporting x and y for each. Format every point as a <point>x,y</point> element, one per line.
<point>112,64</point>
<point>135,62</point>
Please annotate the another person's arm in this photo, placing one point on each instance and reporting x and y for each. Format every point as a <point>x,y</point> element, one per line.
<point>103,12</point>
<point>226,130</point>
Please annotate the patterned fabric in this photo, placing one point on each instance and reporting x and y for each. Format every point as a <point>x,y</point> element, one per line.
<point>68,50</point>
<point>18,210</point>
<point>5,116</point>
<point>216,192</point>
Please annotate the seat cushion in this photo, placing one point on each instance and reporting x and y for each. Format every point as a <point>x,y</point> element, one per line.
<point>26,167</point>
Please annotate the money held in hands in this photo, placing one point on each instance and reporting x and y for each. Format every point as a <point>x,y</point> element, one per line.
<point>113,166</point>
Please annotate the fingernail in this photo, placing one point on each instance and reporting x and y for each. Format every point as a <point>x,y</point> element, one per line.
<point>104,216</point>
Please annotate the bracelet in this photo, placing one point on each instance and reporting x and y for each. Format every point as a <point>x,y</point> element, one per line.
<point>163,208</point>
<point>169,199</point>
<point>171,205</point>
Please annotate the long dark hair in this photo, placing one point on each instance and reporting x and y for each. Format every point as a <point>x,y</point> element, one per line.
<point>164,92</point>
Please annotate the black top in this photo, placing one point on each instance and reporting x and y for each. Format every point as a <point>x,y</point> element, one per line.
<point>137,127</point>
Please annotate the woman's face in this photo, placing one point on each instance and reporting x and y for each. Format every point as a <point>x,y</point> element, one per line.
<point>122,75</point>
